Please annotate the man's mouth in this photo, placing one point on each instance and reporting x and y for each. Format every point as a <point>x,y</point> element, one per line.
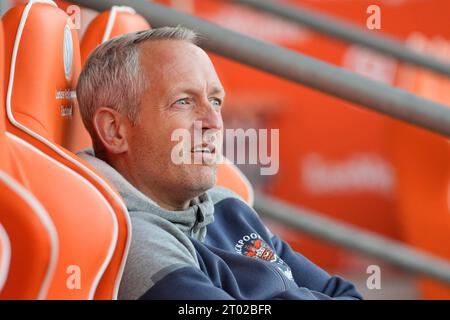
<point>204,148</point>
<point>204,154</point>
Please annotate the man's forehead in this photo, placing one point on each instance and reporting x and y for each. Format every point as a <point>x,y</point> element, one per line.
<point>167,53</point>
<point>176,58</point>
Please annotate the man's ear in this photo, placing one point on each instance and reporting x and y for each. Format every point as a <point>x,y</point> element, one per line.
<point>111,129</point>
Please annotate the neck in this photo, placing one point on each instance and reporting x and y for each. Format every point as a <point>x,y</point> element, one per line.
<point>164,202</point>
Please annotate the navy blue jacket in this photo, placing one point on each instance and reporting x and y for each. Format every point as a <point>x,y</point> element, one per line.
<point>239,259</point>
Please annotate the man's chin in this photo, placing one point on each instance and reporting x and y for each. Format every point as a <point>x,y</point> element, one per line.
<point>205,176</point>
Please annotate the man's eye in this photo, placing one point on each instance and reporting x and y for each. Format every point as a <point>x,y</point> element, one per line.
<point>216,102</point>
<point>182,102</point>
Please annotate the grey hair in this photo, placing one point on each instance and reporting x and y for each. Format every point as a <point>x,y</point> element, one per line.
<point>112,76</point>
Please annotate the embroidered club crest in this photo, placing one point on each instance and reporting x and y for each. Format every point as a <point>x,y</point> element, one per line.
<point>254,246</point>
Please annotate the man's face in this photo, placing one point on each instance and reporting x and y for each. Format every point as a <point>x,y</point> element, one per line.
<point>184,91</point>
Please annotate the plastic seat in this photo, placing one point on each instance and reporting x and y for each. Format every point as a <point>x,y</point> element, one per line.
<point>109,24</point>
<point>28,239</point>
<point>88,215</point>
<point>53,109</point>
<point>29,243</point>
<point>231,177</point>
<point>121,20</point>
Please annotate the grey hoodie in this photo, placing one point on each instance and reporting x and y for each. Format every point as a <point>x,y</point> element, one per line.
<point>155,229</point>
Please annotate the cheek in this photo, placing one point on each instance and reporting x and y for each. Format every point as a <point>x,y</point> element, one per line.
<point>179,126</point>
<point>144,139</point>
<point>152,137</point>
<point>158,142</point>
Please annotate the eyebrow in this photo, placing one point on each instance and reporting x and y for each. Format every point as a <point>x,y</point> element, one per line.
<point>184,89</point>
<point>218,90</point>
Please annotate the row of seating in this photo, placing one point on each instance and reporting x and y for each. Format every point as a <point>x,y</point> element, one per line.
<point>64,230</point>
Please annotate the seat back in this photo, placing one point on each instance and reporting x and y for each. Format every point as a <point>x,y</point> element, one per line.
<point>121,20</point>
<point>231,177</point>
<point>39,103</point>
<point>5,244</point>
<point>28,239</point>
<point>4,164</point>
<point>29,243</point>
<point>109,24</point>
<point>42,58</point>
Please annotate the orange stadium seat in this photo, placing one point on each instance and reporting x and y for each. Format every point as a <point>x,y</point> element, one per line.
<point>28,239</point>
<point>31,243</point>
<point>90,218</point>
<point>109,24</point>
<point>5,243</point>
<point>121,20</point>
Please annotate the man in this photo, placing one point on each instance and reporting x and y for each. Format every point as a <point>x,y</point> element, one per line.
<point>190,240</point>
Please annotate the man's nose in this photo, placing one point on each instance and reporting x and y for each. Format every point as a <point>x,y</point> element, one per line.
<point>210,117</point>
